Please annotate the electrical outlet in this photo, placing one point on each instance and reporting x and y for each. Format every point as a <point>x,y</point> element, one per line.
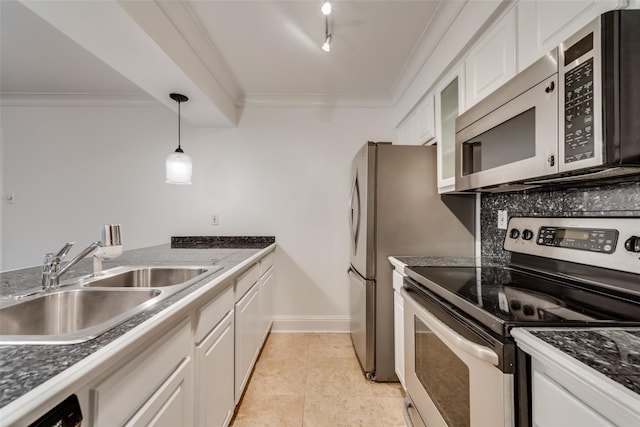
<point>503,218</point>
<point>214,219</point>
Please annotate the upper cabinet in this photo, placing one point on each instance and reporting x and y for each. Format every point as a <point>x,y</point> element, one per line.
<point>418,127</point>
<point>449,103</point>
<point>543,25</point>
<point>492,61</point>
<point>524,31</point>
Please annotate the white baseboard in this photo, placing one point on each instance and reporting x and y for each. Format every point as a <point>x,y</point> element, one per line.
<point>310,324</point>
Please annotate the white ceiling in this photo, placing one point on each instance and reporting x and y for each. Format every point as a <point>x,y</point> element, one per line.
<point>36,58</point>
<point>250,51</point>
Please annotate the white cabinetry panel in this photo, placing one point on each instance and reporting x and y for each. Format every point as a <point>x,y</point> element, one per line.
<point>156,385</point>
<point>248,334</point>
<point>543,24</point>
<point>425,120</point>
<point>398,326</point>
<point>449,103</point>
<point>215,375</point>
<point>492,61</point>
<point>408,130</point>
<point>553,405</point>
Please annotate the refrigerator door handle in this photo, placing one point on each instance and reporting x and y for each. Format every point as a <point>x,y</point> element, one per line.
<point>354,216</point>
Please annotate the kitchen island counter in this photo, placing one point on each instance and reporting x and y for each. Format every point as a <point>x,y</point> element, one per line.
<point>30,374</point>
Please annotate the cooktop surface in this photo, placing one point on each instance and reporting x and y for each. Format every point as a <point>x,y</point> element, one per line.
<point>503,297</point>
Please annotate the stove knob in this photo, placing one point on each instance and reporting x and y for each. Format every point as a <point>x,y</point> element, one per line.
<point>527,234</point>
<point>528,310</point>
<point>514,233</point>
<point>632,244</point>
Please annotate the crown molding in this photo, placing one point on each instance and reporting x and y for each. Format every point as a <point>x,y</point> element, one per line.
<point>35,99</point>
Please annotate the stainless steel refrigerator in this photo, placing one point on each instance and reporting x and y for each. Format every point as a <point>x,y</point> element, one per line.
<point>395,209</point>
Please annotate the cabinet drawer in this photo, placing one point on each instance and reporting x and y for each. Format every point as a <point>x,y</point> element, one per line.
<point>212,313</point>
<point>124,393</point>
<point>266,263</point>
<point>246,281</point>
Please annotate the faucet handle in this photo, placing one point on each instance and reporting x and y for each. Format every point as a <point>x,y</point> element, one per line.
<point>63,252</point>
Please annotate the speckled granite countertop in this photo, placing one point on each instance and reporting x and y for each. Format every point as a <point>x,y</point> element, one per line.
<point>25,367</point>
<point>612,352</point>
<point>440,261</point>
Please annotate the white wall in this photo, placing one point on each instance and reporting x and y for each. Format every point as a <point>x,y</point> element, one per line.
<point>282,172</point>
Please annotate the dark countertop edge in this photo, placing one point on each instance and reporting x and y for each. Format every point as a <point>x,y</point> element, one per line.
<point>539,343</point>
<point>218,242</point>
<point>119,337</point>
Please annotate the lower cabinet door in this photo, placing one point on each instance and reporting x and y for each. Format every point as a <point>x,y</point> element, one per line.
<point>248,332</point>
<point>155,387</point>
<point>215,375</point>
<point>170,405</point>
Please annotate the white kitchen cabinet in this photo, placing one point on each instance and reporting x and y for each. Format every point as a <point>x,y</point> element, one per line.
<point>568,393</point>
<point>418,127</point>
<point>247,337</point>
<point>425,120</point>
<point>214,354</point>
<point>398,326</point>
<point>543,25</point>
<point>267,281</point>
<point>556,406</point>
<point>408,130</point>
<point>560,398</point>
<point>154,388</point>
<point>449,103</point>
<point>492,60</point>
<point>215,375</point>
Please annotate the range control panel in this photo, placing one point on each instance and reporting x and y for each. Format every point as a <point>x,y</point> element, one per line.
<point>612,243</point>
<point>585,239</point>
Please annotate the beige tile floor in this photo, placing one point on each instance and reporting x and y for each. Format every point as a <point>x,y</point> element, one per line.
<point>314,380</point>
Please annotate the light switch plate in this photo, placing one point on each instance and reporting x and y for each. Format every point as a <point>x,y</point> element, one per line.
<point>503,218</point>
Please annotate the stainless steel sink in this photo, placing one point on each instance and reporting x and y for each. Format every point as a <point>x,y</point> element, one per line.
<point>68,316</point>
<point>146,277</point>
<point>86,307</point>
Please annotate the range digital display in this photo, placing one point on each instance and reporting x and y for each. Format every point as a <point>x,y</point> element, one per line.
<point>564,234</point>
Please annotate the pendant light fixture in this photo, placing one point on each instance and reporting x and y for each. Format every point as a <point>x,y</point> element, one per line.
<point>326,7</point>
<point>178,164</point>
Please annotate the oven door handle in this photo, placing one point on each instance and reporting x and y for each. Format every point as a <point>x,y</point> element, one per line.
<point>444,332</point>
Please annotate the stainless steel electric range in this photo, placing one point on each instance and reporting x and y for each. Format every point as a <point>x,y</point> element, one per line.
<point>461,362</point>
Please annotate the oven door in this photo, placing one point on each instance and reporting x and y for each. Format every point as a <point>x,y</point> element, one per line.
<point>452,380</point>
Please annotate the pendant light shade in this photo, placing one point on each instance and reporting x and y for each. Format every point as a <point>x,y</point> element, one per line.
<point>178,164</point>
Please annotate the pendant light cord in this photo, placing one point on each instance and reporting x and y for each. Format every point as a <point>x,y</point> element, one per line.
<point>179,149</point>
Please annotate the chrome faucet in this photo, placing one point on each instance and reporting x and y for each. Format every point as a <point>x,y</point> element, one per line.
<point>51,264</point>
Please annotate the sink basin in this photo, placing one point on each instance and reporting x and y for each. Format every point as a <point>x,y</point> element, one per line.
<point>149,277</point>
<point>70,316</point>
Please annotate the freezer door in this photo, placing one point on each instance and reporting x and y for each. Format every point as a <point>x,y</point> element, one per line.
<point>361,212</point>
<point>362,303</point>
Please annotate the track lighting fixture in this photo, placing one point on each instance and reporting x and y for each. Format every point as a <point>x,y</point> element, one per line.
<point>326,46</point>
<point>178,164</point>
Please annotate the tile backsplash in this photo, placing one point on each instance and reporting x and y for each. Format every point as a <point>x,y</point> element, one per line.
<point>622,199</point>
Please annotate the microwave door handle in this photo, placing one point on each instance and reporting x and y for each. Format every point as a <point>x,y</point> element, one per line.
<point>471,156</point>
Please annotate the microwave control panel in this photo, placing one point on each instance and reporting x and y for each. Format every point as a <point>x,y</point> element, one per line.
<point>578,113</point>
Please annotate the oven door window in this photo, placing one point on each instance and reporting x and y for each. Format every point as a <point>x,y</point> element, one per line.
<point>443,375</point>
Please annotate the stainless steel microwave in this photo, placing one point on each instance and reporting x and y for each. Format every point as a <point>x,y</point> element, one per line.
<point>572,115</point>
